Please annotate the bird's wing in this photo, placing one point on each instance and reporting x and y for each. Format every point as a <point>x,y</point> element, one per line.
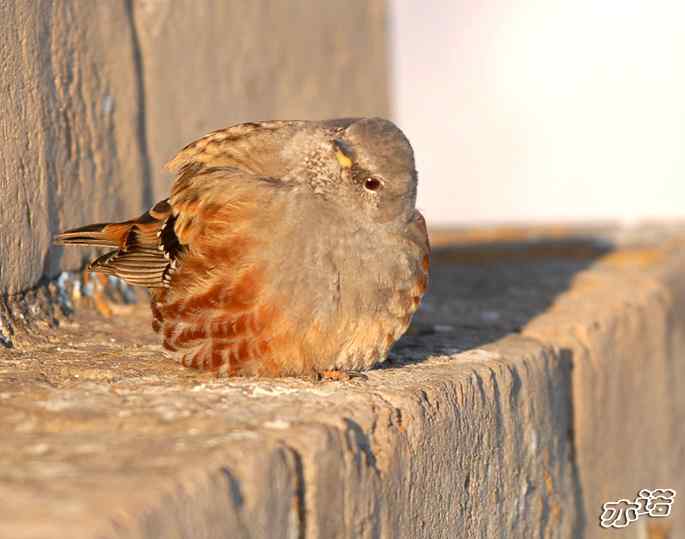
<point>230,167</point>
<point>216,200</point>
<point>254,148</point>
<point>203,203</point>
<point>218,311</point>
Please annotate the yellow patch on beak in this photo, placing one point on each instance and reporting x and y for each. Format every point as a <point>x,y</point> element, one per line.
<point>345,162</point>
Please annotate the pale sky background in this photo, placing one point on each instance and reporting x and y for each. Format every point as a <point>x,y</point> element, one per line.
<point>543,110</point>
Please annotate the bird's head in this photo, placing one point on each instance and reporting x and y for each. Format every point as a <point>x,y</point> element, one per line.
<point>376,166</point>
<point>364,164</point>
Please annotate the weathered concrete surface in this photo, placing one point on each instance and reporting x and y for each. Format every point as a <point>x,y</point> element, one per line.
<point>68,120</point>
<point>622,326</point>
<point>521,402</point>
<point>97,95</point>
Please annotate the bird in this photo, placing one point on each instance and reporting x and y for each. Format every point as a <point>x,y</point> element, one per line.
<point>285,249</point>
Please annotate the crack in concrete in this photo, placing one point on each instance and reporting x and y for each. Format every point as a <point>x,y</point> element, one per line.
<point>236,495</point>
<point>147,199</point>
<point>300,490</point>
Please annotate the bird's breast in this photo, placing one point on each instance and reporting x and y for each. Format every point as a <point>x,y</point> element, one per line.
<point>351,295</point>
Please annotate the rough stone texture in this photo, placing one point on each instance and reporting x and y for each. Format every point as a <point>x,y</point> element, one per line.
<point>97,95</point>
<point>68,119</point>
<point>622,326</point>
<point>541,379</point>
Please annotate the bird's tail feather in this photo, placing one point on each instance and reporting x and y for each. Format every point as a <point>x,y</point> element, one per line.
<point>145,248</point>
<point>100,234</point>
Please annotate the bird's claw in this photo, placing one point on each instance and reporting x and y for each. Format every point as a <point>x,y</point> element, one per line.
<point>342,376</point>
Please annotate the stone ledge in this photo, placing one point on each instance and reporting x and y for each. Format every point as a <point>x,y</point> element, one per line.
<point>515,407</point>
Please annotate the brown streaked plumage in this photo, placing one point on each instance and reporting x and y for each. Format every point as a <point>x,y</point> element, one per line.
<point>285,248</point>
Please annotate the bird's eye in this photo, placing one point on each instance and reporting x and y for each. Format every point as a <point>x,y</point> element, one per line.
<point>372,184</point>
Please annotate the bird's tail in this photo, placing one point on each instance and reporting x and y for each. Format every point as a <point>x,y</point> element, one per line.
<point>100,234</point>
<point>144,249</point>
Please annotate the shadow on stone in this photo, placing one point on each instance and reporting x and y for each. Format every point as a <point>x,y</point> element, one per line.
<point>481,292</point>
<point>564,395</point>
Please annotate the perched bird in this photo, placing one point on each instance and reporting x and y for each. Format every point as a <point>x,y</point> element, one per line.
<point>286,248</point>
